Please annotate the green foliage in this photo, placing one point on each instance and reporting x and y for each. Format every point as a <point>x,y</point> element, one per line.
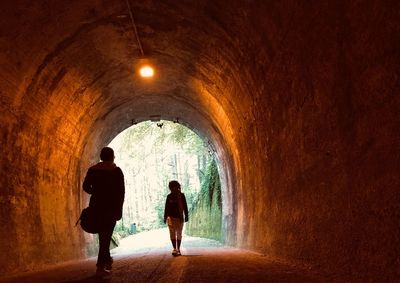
<point>206,214</point>
<point>159,207</point>
<point>121,230</point>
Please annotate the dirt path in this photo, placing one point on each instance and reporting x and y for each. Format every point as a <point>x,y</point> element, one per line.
<point>146,258</point>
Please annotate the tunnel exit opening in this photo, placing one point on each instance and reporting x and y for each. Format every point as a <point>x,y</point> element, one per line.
<point>151,154</point>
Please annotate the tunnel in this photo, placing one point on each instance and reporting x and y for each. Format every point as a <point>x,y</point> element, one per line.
<point>299,100</point>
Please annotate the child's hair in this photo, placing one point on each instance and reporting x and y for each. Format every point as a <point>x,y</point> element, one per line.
<point>174,184</point>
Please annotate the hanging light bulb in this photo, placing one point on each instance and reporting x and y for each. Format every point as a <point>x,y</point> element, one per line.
<point>146,71</point>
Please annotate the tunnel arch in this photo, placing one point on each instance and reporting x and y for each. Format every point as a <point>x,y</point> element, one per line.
<point>67,73</point>
<point>210,135</point>
<point>85,65</point>
<point>81,91</point>
<point>191,161</point>
<point>300,95</point>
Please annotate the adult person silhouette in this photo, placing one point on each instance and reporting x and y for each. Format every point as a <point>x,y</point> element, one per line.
<point>105,182</point>
<point>175,213</point>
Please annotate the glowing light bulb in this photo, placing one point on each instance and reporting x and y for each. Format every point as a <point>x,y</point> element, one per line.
<point>146,72</point>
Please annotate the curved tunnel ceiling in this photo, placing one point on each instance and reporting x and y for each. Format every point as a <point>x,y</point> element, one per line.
<point>86,84</point>
<point>93,67</point>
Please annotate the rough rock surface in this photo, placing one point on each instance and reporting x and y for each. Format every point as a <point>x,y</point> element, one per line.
<point>299,99</point>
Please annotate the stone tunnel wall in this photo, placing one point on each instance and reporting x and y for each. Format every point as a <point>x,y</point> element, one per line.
<point>305,95</point>
<point>313,92</point>
<point>319,151</point>
<point>44,121</point>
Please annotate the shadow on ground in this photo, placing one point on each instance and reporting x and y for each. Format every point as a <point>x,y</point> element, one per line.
<point>91,279</point>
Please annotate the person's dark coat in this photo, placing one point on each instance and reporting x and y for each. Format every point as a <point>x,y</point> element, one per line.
<point>105,182</point>
<point>175,209</point>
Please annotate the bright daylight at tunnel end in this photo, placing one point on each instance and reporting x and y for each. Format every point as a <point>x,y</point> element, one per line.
<point>297,100</point>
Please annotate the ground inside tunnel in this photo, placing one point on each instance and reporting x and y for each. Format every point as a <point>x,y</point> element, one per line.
<point>145,257</point>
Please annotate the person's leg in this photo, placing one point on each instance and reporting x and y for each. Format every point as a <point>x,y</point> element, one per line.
<point>102,249</point>
<point>172,234</point>
<point>179,228</point>
<point>108,259</point>
<point>104,259</point>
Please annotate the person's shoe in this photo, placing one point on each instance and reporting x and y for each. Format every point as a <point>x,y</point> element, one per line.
<point>108,265</point>
<point>102,272</point>
<point>178,252</point>
<point>174,252</point>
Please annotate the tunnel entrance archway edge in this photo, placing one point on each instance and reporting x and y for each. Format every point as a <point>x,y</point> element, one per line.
<point>224,163</point>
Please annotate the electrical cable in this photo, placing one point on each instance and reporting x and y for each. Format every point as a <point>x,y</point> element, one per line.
<point>134,28</point>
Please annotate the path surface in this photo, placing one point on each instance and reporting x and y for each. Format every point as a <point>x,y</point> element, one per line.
<point>146,257</point>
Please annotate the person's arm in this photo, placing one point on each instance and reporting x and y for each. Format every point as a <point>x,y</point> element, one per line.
<point>185,208</point>
<point>87,183</point>
<point>165,210</point>
<point>121,187</point>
